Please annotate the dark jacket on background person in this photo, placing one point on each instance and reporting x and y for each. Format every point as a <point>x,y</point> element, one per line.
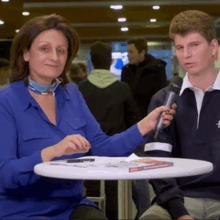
<point>77,80</point>
<point>112,104</point>
<point>152,79</point>
<point>110,101</point>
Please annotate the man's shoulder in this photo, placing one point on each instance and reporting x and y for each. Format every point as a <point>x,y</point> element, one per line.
<point>154,62</point>
<point>121,85</point>
<point>83,83</point>
<point>160,95</point>
<point>85,86</point>
<point>128,67</point>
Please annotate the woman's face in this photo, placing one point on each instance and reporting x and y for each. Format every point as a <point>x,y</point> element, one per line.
<point>47,56</point>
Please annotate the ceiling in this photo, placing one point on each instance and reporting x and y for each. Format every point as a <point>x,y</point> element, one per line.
<point>95,20</point>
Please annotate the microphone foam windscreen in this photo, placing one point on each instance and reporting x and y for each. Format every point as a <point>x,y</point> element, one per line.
<point>178,81</point>
<point>175,84</point>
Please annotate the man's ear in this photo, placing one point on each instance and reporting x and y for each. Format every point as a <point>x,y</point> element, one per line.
<point>215,49</point>
<point>26,55</point>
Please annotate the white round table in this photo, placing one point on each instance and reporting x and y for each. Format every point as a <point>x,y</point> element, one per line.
<point>64,170</point>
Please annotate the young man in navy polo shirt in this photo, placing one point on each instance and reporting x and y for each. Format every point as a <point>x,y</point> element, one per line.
<point>195,130</point>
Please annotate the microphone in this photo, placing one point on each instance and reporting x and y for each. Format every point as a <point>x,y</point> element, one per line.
<point>173,92</point>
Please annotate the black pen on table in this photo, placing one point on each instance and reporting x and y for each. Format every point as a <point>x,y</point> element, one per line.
<point>80,160</point>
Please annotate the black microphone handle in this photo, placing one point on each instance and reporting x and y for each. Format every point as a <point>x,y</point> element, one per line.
<point>170,99</point>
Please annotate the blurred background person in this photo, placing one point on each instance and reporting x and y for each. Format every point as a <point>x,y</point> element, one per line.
<point>112,104</point>
<point>82,70</point>
<point>144,73</point>
<point>77,72</point>
<point>4,73</point>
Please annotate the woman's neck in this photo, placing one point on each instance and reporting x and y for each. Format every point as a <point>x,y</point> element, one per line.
<point>41,81</point>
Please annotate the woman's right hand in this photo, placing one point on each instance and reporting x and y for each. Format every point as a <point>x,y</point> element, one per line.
<point>71,144</point>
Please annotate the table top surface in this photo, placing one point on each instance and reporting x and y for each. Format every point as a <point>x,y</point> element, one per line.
<point>98,170</point>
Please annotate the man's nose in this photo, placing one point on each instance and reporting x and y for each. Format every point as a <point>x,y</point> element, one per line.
<point>186,52</point>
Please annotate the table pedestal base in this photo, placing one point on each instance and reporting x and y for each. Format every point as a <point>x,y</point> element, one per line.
<point>124,199</point>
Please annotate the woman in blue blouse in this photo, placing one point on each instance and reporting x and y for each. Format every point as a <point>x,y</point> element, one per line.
<point>43,118</point>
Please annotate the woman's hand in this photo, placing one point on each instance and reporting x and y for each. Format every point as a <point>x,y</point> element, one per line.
<point>71,144</point>
<point>149,123</point>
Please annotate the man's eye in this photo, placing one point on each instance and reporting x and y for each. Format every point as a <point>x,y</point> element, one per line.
<point>179,48</point>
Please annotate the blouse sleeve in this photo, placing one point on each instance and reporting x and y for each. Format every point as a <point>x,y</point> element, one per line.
<point>15,172</point>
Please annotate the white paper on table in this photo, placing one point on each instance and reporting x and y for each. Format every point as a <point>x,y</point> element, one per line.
<point>129,163</point>
<point>132,157</point>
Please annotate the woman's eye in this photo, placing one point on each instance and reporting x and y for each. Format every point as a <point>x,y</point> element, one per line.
<point>61,51</point>
<point>44,48</point>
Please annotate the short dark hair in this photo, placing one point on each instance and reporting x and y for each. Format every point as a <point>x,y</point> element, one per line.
<point>25,37</point>
<point>73,71</point>
<point>82,66</point>
<point>193,20</point>
<point>139,42</point>
<point>101,55</point>
<point>4,63</point>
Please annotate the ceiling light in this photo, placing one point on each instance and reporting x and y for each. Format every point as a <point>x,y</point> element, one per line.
<point>17,30</point>
<point>156,7</point>
<point>5,0</point>
<point>122,19</point>
<point>25,13</point>
<point>116,7</point>
<point>153,20</point>
<point>124,29</point>
<point>1,22</point>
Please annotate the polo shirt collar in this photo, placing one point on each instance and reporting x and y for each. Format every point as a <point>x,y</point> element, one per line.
<point>187,84</point>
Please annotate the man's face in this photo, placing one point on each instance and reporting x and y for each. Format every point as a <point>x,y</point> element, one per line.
<point>133,55</point>
<point>81,73</point>
<point>195,54</point>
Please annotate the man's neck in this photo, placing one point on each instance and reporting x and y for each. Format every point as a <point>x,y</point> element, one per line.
<point>140,61</point>
<point>203,81</point>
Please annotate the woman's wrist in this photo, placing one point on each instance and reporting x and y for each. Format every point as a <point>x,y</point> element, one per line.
<point>143,127</point>
<point>47,154</point>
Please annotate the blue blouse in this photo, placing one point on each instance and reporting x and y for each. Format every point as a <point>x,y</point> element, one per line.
<point>25,130</point>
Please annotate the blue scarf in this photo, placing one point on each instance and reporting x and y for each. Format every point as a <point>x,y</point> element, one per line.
<point>43,89</point>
